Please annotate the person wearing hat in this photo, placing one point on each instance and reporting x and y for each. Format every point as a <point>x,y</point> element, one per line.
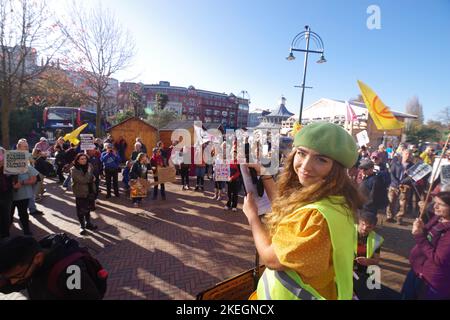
<point>429,277</point>
<point>308,240</point>
<point>373,188</point>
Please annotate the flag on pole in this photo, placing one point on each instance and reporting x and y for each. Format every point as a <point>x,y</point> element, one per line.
<point>72,136</point>
<point>351,115</point>
<point>381,115</point>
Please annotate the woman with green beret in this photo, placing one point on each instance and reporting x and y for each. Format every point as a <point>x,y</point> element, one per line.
<point>308,239</point>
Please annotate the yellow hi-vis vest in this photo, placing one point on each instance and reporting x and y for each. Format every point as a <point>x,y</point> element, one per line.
<point>374,241</point>
<point>288,285</point>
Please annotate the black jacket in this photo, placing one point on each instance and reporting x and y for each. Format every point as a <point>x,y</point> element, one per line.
<point>37,286</point>
<point>138,171</point>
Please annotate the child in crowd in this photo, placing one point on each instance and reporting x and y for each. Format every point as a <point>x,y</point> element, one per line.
<point>126,175</point>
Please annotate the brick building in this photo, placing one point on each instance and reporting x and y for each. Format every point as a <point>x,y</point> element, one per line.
<point>195,104</point>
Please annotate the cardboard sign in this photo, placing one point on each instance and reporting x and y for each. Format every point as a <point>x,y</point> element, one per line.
<point>363,138</point>
<point>418,171</point>
<point>437,170</point>
<point>445,174</point>
<point>87,142</point>
<point>16,162</point>
<point>165,175</point>
<point>263,203</point>
<point>138,188</point>
<point>221,172</point>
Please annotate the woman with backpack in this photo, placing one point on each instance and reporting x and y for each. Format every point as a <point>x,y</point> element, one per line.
<point>83,186</point>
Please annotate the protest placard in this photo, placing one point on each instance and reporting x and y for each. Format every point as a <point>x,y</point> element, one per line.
<point>418,171</point>
<point>445,174</point>
<point>363,138</point>
<point>165,175</point>
<point>138,188</point>
<point>87,142</point>
<point>16,162</point>
<point>221,172</point>
<point>263,203</point>
<point>437,169</point>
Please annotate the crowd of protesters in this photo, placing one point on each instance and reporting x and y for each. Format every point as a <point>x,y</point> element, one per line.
<point>383,186</point>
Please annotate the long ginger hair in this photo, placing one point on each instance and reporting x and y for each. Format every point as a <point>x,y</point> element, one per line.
<point>292,194</point>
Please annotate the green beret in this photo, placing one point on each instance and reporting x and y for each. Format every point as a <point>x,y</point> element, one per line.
<point>329,140</point>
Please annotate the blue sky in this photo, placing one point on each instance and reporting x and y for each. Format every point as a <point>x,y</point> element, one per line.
<point>235,45</point>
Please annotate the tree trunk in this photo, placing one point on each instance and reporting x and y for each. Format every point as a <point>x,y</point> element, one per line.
<point>6,111</point>
<point>98,118</point>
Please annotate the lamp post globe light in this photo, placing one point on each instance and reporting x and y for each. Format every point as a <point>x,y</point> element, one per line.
<point>306,35</point>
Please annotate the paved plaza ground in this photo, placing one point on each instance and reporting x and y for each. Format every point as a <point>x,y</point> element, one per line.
<point>176,248</point>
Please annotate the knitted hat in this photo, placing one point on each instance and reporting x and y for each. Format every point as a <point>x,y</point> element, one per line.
<point>329,140</point>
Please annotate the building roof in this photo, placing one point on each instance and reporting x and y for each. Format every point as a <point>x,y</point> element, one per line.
<point>179,124</point>
<point>281,111</point>
<point>132,118</point>
<point>332,108</point>
<point>268,125</point>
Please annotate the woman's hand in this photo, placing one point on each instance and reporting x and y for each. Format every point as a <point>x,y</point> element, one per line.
<point>418,226</point>
<point>250,208</point>
<point>255,166</point>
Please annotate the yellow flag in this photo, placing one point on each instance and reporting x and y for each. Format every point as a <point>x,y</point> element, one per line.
<point>72,136</point>
<point>381,115</point>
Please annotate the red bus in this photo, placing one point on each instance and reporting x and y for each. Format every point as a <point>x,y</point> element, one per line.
<point>68,119</point>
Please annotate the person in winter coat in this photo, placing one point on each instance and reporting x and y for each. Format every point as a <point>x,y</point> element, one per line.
<point>83,186</point>
<point>429,277</point>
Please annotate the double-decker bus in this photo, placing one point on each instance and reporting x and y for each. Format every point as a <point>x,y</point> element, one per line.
<point>68,119</point>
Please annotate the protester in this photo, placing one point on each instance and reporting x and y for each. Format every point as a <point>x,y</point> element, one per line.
<point>126,175</point>
<point>382,154</point>
<point>111,165</point>
<point>217,157</point>
<point>308,243</point>
<point>157,162</point>
<point>121,147</point>
<point>60,162</point>
<point>143,147</point>
<point>367,254</point>
<point>233,184</point>
<point>44,168</point>
<point>373,187</point>
<point>428,155</point>
<point>23,192</point>
<point>44,146</point>
<point>22,145</point>
<point>6,197</point>
<point>399,189</point>
<point>137,150</point>
<point>99,144</point>
<point>71,153</point>
<point>139,170</point>
<point>200,171</point>
<point>83,187</point>
<point>429,276</point>
<point>185,167</point>
<point>42,268</point>
<point>97,166</point>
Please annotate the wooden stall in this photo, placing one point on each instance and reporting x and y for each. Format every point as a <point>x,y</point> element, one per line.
<point>132,128</point>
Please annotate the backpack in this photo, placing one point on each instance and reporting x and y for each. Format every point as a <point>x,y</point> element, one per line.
<point>94,268</point>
